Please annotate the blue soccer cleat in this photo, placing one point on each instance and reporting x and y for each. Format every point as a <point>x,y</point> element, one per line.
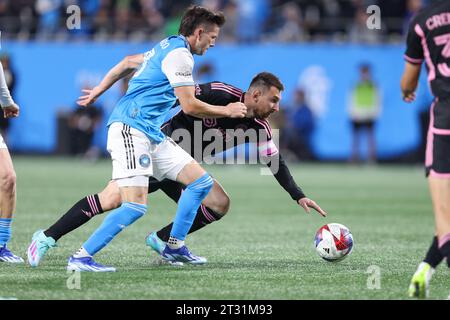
<point>87,264</point>
<point>7,256</point>
<point>181,255</point>
<point>40,244</point>
<point>154,242</point>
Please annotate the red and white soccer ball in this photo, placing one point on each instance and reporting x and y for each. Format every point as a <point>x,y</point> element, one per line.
<point>333,242</point>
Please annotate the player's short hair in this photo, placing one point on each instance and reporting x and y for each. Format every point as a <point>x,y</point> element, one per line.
<point>266,80</point>
<point>196,16</point>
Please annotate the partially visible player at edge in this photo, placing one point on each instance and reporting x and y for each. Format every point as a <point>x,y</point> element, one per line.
<point>262,99</point>
<point>7,177</point>
<point>429,40</point>
<point>137,146</point>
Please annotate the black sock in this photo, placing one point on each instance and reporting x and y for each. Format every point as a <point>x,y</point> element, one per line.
<point>78,215</point>
<point>445,251</point>
<point>434,255</point>
<point>204,217</point>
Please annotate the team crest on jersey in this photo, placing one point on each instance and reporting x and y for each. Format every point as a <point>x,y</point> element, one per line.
<point>144,160</point>
<point>210,122</point>
<point>198,90</point>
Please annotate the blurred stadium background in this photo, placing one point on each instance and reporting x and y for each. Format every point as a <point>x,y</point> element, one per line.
<point>317,48</point>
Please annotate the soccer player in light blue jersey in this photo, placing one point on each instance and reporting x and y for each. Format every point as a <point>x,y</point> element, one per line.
<point>7,177</point>
<point>139,149</point>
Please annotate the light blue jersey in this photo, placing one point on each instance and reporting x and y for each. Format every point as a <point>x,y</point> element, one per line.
<point>150,93</point>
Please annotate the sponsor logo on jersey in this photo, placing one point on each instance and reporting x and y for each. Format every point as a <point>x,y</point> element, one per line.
<point>184,74</point>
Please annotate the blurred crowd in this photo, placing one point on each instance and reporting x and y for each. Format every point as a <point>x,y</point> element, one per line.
<point>247,20</point>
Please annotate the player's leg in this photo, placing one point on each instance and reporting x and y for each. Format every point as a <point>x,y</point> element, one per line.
<point>198,184</point>
<point>127,146</point>
<point>173,163</point>
<point>79,214</point>
<point>440,247</point>
<point>440,194</point>
<point>213,208</point>
<point>7,203</point>
<point>371,142</point>
<point>438,172</point>
<point>355,142</point>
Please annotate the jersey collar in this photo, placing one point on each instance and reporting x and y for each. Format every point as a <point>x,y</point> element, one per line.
<point>242,97</point>
<point>185,42</point>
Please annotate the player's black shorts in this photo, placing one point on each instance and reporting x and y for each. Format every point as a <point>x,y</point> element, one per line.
<point>368,124</point>
<point>437,158</point>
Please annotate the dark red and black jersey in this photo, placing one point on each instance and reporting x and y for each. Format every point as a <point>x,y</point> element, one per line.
<point>199,136</point>
<point>202,133</point>
<point>429,40</point>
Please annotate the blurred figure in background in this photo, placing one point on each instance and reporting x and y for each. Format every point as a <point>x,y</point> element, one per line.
<point>49,12</point>
<point>10,80</point>
<point>364,110</point>
<point>291,29</point>
<point>300,127</point>
<point>83,123</point>
<point>412,8</point>
<point>229,30</point>
<point>252,16</point>
<point>358,30</point>
<point>206,72</point>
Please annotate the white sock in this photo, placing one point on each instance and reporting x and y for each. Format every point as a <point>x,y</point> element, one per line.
<point>81,253</point>
<point>175,243</point>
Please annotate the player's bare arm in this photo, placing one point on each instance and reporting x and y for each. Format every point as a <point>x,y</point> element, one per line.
<point>197,108</point>
<point>410,80</point>
<point>125,67</point>
<point>11,111</point>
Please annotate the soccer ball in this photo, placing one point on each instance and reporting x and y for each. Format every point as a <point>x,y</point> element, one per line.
<point>333,242</point>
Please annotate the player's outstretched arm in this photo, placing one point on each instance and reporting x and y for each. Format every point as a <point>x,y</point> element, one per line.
<point>125,67</point>
<point>409,82</point>
<point>197,108</point>
<point>282,174</point>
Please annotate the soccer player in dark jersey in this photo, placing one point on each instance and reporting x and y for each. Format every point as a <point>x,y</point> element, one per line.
<point>429,40</point>
<point>261,99</point>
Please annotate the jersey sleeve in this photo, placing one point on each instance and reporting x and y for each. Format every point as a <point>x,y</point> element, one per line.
<point>266,146</point>
<point>414,50</point>
<point>178,66</point>
<point>282,174</point>
<point>5,96</point>
<point>217,93</point>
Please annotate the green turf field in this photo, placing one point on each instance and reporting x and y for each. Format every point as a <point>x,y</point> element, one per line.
<point>263,249</point>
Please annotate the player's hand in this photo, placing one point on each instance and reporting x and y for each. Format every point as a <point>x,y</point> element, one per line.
<point>89,98</point>
<point>306,203</point>
<point>409,96</point>
<point>11,111</point>
<point>237,110</point>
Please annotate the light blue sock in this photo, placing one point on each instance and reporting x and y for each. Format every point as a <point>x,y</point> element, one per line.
<point>115,222</point>
<point>189,202</point>
<point>5,231</point>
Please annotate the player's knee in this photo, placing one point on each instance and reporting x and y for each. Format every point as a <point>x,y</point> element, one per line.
<point>8,181</point>
<point>110,199</point>
<point>222,205</point>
